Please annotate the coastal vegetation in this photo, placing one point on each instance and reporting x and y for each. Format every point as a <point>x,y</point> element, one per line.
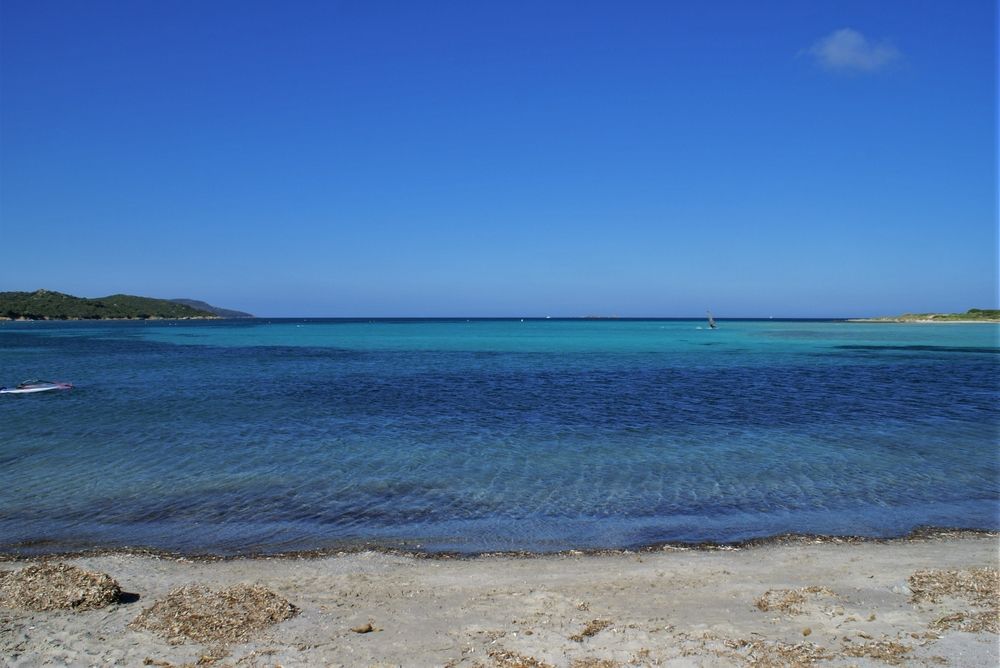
<point>49,305</point>
<point>972,315</point>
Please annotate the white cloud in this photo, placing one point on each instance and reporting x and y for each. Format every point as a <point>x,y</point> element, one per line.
<point>848,50</point>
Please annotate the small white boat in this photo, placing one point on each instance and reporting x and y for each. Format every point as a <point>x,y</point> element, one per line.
<point>34,386</point>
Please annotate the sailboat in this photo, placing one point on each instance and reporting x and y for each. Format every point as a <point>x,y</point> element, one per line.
<point>711,321</point>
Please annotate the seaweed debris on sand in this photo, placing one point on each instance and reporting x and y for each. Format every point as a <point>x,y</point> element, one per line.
<point>57,586</point>
<point>887,651</point>
<point>592,628</point>
<point>946,587</point>
<point>203,615</point>
<point>760,652</point>
<point>789,601</point>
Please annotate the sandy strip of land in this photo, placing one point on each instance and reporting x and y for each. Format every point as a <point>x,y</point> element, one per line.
<point>775,604</point>
<point>924,321</point>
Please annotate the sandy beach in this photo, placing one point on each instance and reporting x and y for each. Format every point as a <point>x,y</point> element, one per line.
<point>790,602</point>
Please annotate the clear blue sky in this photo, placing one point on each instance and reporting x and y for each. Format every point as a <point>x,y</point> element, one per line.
<point>503,158</point>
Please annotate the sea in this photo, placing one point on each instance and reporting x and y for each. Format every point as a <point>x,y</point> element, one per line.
<point>238,437</point>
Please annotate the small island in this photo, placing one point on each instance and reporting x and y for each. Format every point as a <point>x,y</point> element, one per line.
<point>50,305</point>
<point>972,315</point>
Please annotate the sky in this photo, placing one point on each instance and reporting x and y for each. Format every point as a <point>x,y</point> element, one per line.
<point>507,158</point>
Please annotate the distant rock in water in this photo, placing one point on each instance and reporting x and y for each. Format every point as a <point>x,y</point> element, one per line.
<point>221,312</point>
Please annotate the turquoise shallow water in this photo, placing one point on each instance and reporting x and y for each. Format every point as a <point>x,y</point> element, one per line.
<point>242,436</point>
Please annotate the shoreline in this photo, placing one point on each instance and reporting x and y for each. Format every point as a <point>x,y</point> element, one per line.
<point>922,321</point>
<point>841,603</point>
<point>916,535</point>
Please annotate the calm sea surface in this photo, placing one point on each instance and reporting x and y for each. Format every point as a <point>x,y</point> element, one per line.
<point>240,436</point>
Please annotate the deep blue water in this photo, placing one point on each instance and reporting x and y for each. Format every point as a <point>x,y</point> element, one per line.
<point>240,436</point>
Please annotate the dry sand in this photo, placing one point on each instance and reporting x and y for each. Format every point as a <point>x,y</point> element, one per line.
<point>770,605</point>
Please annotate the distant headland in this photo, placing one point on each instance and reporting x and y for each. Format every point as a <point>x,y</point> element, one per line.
<point>217,310</point>
<point>49,305</point>
<point>972,315</point>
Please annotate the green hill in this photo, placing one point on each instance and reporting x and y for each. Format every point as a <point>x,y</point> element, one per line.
<point>47,305</point>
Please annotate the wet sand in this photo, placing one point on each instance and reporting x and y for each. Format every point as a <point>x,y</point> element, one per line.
<point>784,603</point>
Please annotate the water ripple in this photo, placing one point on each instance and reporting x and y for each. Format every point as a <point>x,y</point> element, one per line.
<point>493,435</point>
